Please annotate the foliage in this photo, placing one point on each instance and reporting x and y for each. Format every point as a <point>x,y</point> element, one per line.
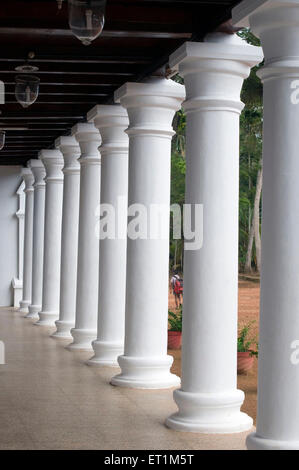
<point>245,342</point>
<point>251,136</point>
<point>175,319</point>
<point>178,172</point>
<point>250,161</point>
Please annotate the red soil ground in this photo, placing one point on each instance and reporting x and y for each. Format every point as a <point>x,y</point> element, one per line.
<point>249,295</point>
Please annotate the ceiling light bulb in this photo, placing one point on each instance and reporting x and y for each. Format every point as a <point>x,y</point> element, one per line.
<point>2,139</point>
<point>86,19</point>
<point>26,90</point>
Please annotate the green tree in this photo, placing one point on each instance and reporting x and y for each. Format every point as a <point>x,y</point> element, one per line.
<point>178,171</point>
<point>251,124</point>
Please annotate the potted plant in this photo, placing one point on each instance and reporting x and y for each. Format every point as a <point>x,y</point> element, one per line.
<point>245,353</point>
<point>175,330</point>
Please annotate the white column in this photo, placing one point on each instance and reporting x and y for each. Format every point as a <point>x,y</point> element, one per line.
<point>70,149</point>
<point>21,220</point>
<point>209,401</point>
<point>17,282</point>
<point>85,330</point>
<point>28,234</point>
<point>112,121</point>
<point>151,107</point>
<point>53,162</point>
<point>277,24</point>
<point>39,173</point>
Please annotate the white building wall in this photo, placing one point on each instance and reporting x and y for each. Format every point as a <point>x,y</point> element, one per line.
<point>9,183</point>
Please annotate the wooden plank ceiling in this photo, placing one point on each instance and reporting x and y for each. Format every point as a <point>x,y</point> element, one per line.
<point>137,39</point>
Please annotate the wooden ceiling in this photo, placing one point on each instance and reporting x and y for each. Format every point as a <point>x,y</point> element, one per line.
<point>138,37</point>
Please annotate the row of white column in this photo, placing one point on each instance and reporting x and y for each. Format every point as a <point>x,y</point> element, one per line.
<point>126,321</point>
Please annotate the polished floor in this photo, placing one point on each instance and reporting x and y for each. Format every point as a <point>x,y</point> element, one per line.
<point>49,399</point>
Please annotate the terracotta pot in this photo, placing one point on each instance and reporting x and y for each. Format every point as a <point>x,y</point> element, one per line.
<point>245,362</point>
<point>174,339</point>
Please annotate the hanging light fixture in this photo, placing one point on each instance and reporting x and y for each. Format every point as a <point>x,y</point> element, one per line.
<point>86,19</point>
<point>2,139</point>
<point>26,67</point>
<point>26,90</point>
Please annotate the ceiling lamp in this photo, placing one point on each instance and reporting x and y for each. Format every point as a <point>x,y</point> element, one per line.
<point>86,19</point>
<point>26,90</point>
<point>2,139</point>
<point>27,68</point>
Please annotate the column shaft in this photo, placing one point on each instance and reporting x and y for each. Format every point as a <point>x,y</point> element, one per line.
<point>151,107</point>
<point>69,238</point>
<point>53,161</point>
<point>39,173</point>
<point>85,330</point>
<point>112,120</point>
<point>17,283</point>
<point>214,71</point>
<point>28,235</point>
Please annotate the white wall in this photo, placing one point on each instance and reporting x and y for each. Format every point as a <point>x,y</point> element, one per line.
<point>9,183</point>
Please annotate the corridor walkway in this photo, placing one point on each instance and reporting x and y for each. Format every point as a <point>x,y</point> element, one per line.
<point>49,399</point>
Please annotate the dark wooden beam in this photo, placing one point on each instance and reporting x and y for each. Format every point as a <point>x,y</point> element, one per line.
<point>45,33</point>
<point>63,99</point>
<point>82,68</point>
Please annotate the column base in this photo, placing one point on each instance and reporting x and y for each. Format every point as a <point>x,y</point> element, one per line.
<point>208,413</point>
<point>24,304</point>
<point>17,286</point>
<point>63,329</point>
<point>82,339</point>
<point>147,373</point>
<point>47,318</point>
<point>33,311</point>
<point>105,353</point>
<point>256,442</point>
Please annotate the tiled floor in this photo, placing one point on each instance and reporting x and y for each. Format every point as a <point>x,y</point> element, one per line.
<point>49,399</point>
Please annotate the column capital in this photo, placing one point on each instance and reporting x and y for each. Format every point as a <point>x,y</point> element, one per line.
<point>111,121</point>
<point>28,178</point>
<point>39,173</point>
<point>150,105</point>
<point>243,12</point>
<point>276,22</point>
<point>89,140</point>
<point>53,162</point>
<point>214,71</point>
<point>70,149</point>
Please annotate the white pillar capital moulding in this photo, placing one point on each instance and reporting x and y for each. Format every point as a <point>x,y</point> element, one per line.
<point>89,139</point>
<point>70,149</point>
<point>151,107</point>
<point>53,162</point>
<point>17,282</point>
<point>276,23</point>
<point>28,233</point>
<point>112,121</point>
<point>213,71</point>
<point>85,330</point>
<point>39,173</point>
